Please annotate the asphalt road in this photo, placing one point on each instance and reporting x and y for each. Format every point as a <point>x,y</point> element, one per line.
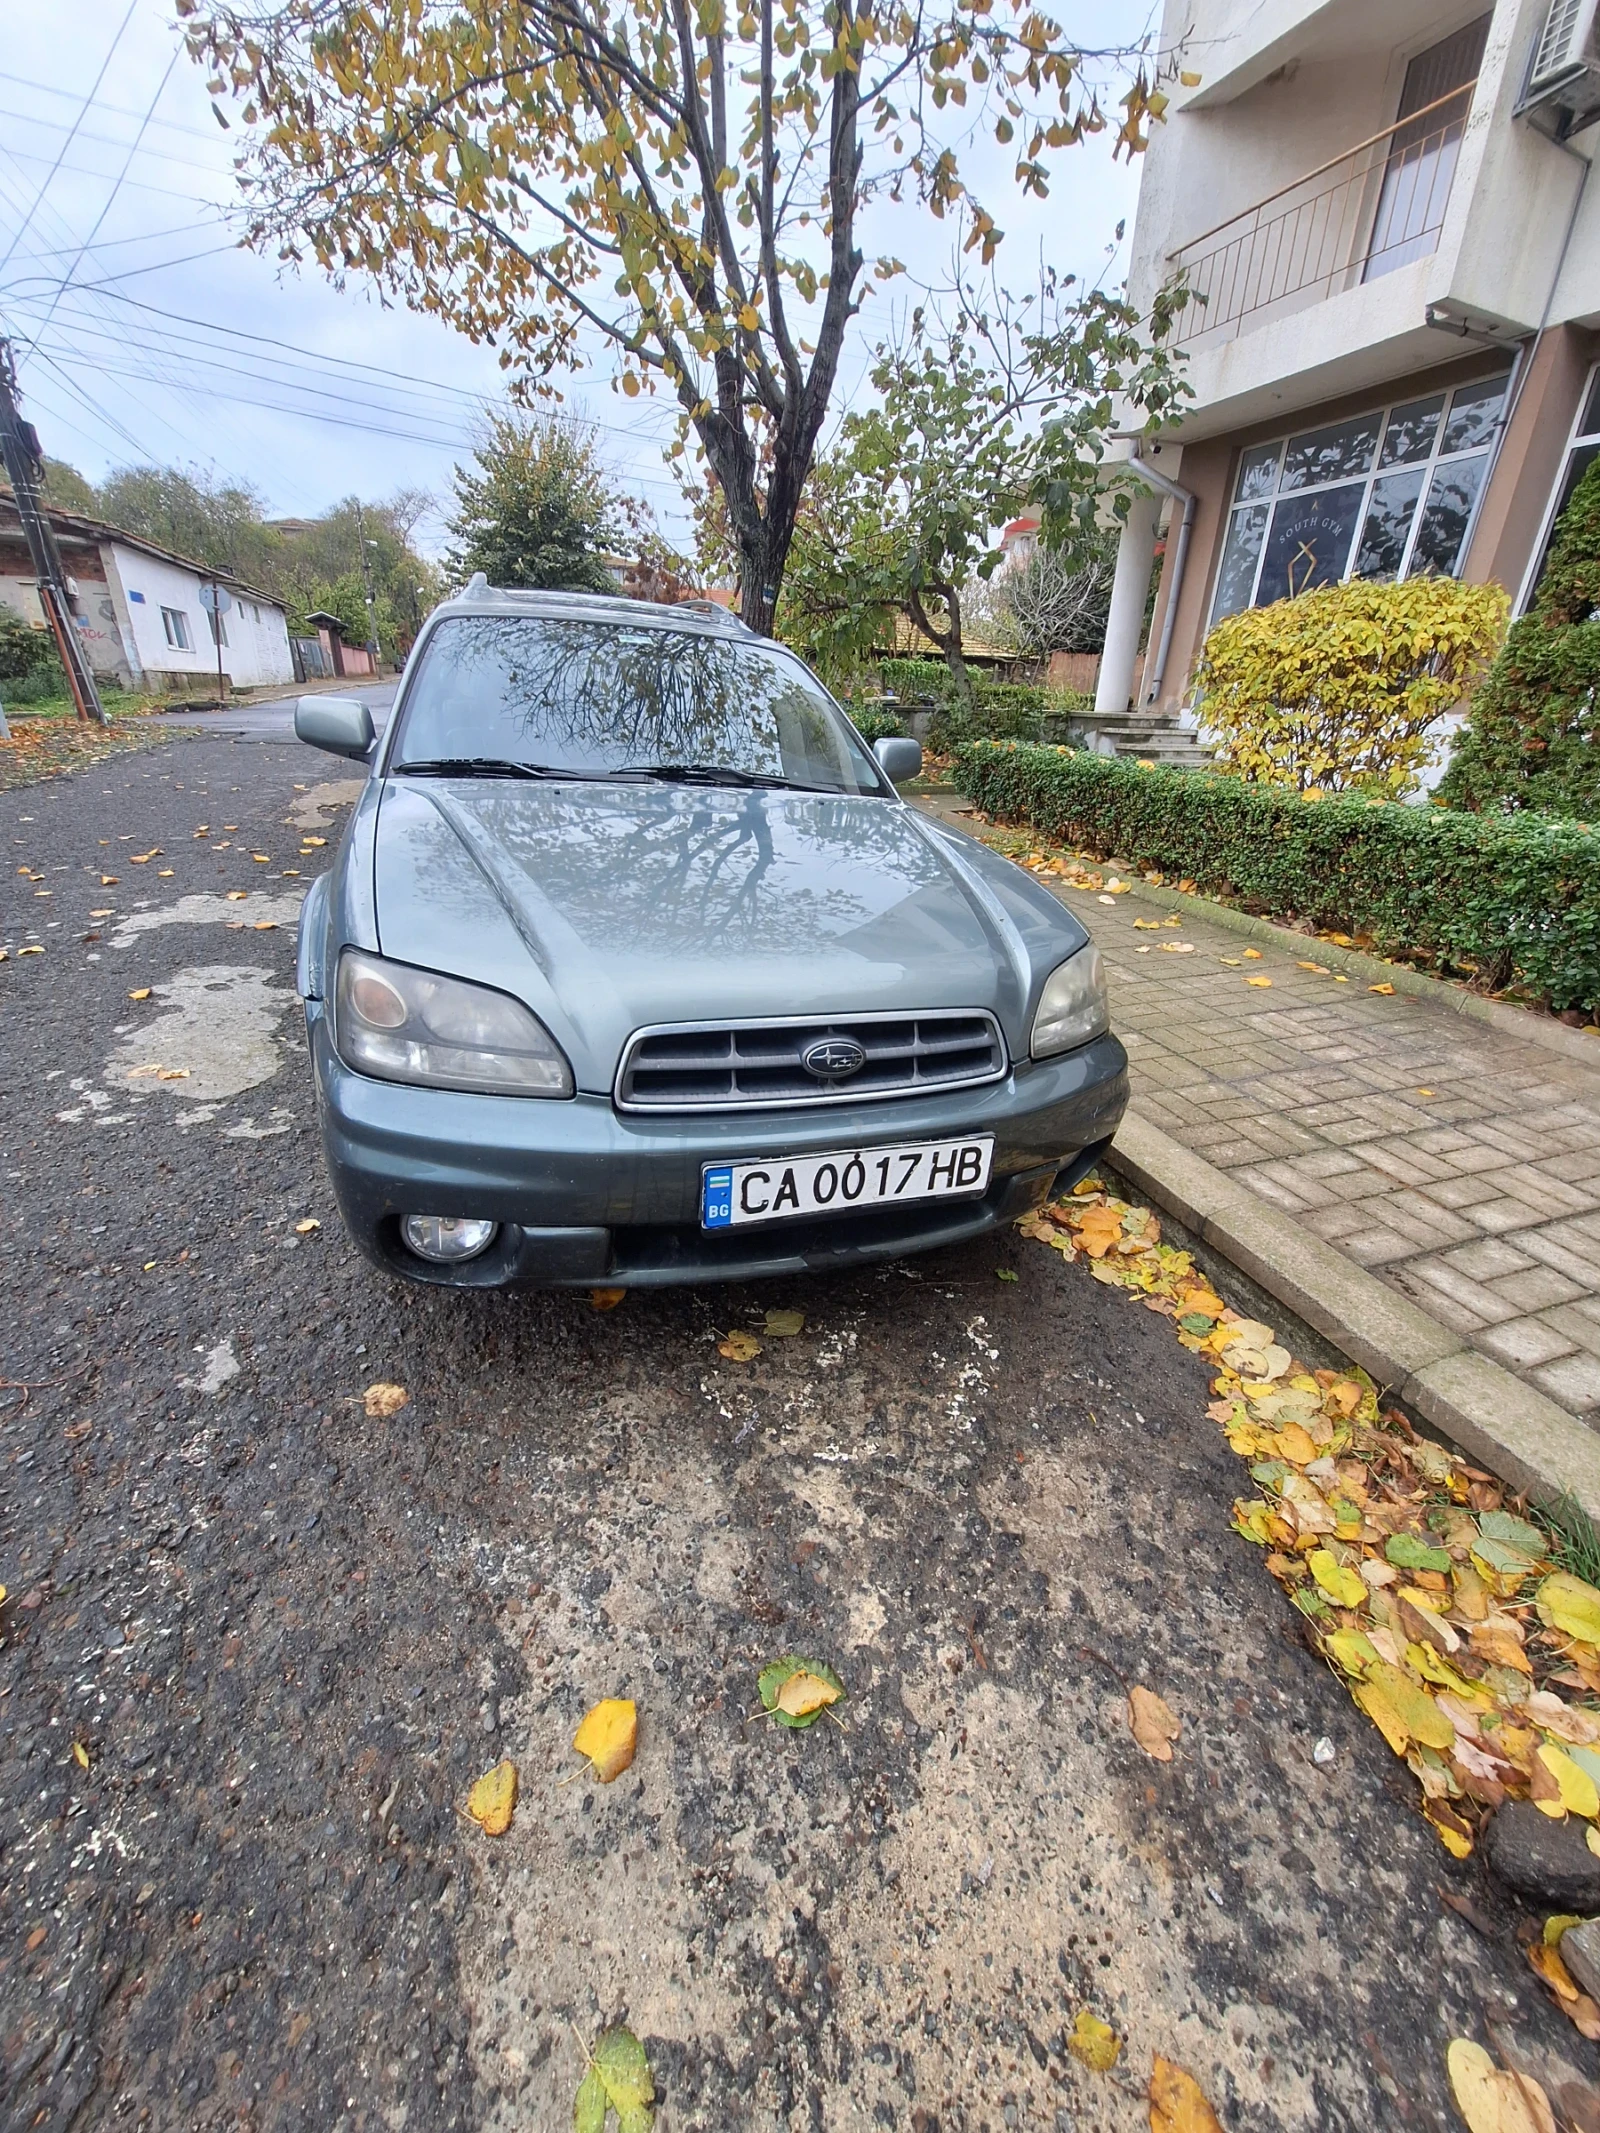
<point>287,1638</point>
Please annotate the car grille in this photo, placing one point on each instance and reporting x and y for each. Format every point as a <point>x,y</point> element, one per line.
<point>734,1066</point>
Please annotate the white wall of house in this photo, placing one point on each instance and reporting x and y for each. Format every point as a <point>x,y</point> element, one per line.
<point>162,602</point>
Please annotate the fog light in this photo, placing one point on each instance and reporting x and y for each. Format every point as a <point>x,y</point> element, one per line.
<point>447,1238</point>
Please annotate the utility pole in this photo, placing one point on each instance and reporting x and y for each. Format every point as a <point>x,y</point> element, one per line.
<point>24,463</point>
<point>366,579</point>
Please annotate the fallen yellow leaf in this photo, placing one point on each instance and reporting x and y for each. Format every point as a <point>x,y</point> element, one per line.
<point>1491,2100</point>
<point>1380,988</point>
<point>739,1347</point>
<point>142,994</point>
<point>1566,1603</point>
<point>1253,954</point>
<point>1152,1723</point>
<point>1258,981</point>
<point>304,1229</point>
<point>1578,1792</point>
<point>784,1325</point>
<point>608,1737</point>
<point>1095,2042</point>
<point>1178,2103</point>
<point>806,1692</point>
<point>1344,1587</point>
<point>384,1400</point>
<point>80,1755</point>
<point>266,925</point>
<point>237,896</point>
<point>606,1299</point>
<point>493,1799</point>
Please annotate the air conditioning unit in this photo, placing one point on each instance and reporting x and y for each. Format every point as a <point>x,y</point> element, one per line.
<point>1561,95</point>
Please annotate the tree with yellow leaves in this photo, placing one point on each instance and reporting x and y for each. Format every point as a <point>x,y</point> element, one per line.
<point>680,183</point>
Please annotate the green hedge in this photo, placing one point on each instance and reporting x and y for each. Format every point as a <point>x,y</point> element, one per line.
<point>874,722</point>
<point>1518,897</point>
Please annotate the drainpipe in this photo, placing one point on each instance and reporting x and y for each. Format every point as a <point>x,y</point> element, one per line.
<point>1155,675</point>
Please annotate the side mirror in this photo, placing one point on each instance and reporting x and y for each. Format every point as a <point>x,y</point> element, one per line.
<point>340,724</point>
<point>899,759</point>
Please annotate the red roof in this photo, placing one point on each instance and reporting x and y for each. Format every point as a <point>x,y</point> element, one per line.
<point>1019,526</point>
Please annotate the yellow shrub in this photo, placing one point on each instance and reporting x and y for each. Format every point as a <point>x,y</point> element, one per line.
<point>1339,689</point>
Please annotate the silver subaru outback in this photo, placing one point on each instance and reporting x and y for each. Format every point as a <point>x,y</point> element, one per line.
<point>633,967</point>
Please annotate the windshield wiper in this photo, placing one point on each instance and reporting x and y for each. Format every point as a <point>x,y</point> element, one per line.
<point>480,766</point>
<point>712,774</point>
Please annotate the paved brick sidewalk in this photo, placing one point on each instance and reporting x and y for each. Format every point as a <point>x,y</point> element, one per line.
<point>1458,1163</point>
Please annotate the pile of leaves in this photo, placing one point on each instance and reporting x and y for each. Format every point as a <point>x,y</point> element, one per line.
<point>55,747</point>
<point>1434,1600</point>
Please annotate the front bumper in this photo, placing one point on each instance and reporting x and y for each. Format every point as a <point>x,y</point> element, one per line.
<point>587,1197</point>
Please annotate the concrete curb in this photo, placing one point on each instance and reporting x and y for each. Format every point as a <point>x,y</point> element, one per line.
<point>1497,1420</point>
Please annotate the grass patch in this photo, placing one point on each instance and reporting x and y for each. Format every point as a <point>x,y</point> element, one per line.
<point>1574,1537</point>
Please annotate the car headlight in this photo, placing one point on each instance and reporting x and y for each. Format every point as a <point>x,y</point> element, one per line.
<point>413,1025</point>
<point>1072,1007</point>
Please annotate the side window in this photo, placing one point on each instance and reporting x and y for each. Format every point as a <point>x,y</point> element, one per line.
<point>176,624</point>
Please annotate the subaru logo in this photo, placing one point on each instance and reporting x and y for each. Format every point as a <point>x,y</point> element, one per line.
<point>833,1058</point>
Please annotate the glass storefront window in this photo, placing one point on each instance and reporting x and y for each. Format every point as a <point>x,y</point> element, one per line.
<point>1389,515</point>
<point>1236,578</point>
<point>1473,412</point>
<point>1344,507</point>
<point>1309,544</point>
<point>1443,532</point>
<point>1411,432</point>
<point>1583,449</point>
<point>1328,455</point>
<point>1258,471</point>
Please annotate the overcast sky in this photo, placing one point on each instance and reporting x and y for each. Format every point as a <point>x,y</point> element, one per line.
<point>172,346</point>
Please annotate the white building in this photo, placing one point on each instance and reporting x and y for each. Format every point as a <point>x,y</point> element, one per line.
<point>1385,215</point>
<point>140,615</point>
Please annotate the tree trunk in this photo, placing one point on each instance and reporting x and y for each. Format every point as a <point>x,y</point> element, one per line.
<point>946,642</point>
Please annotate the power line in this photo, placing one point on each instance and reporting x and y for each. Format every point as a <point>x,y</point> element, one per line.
<point>99,367</point>
<point>115,189</point>
<point>108,140</point>
<point>44,88</point>
<point>110,244</point>
<point>315,364</point>
<point>67,143</point>
<point>82,170</point>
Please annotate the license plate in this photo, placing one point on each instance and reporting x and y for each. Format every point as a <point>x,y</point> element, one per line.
<point>778,1188</point>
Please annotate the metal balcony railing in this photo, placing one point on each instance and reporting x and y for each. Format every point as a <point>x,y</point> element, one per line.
<point>1378,206</point>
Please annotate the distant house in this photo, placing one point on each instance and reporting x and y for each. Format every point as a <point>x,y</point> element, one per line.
<point>140,617</point>
<point>337,656</point>
<point>1019,543</point>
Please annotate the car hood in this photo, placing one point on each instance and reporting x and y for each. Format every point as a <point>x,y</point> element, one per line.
<point>611,907</point>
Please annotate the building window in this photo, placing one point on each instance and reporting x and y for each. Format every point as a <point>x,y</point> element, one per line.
<point>1583,450</point>
<point>1384,495</point>
<point>1434,102</point>
<point>219,629</point>
<point>176,624</point>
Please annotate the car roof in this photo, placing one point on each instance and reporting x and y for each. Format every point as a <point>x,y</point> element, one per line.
<point>479,597</point>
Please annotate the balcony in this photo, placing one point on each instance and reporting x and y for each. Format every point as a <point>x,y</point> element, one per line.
<point>1377,207</point>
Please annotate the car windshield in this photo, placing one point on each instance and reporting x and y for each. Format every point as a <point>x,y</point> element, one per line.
<point>591,699</point>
